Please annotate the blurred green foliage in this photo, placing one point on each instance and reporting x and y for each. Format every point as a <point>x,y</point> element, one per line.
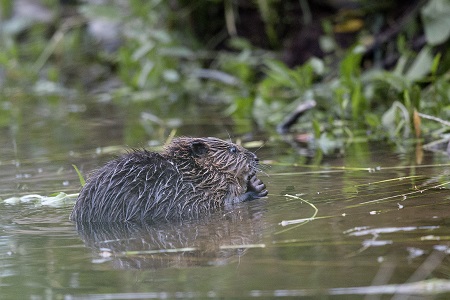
<point>161,59</point>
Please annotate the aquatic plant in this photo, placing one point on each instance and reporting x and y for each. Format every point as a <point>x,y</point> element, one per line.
<point>164,53</point>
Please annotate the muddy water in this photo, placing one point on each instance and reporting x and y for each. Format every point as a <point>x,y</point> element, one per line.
<point>372,220</point>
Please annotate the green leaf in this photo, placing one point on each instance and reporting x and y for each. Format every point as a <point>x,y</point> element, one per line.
<point>82,181</point>
<point>372,120</point>
<point>421,65</point>
<point>435,65</point>
<point>358,101</point>
<point>436,21</point>
<point>350,65</point>
<point>316,127</point>
<point>279,72</point>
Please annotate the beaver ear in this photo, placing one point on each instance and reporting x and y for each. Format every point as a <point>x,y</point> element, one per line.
<point>199,148</point>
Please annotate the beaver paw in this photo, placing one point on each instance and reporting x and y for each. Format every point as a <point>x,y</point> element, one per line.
<point>255,189</point>
<point>256,186</point>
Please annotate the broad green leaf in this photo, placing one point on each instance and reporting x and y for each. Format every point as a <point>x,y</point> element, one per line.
<point>436,21</point>
<point>421,65</point>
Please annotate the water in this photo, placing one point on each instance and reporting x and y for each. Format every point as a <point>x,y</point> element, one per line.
<point>380,224</point>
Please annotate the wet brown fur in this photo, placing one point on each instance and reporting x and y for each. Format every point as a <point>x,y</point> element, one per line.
<point>191,177</point>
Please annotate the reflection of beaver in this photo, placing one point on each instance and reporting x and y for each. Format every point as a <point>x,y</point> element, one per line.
<point>191,177</point>
<point>216,239</point>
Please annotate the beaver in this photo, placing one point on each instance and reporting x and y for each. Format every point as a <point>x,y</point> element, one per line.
<point>191,177</point>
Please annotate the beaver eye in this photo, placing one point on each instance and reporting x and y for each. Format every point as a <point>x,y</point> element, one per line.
<point>232,149</point>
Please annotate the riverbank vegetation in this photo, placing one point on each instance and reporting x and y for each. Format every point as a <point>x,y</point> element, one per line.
<point>374,71</point>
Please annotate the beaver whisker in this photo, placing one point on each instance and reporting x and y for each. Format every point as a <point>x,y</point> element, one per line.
<point>257,149</point>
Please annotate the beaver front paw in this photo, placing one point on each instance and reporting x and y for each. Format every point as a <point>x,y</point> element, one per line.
<point>255,189</point>
<point>256,186</point>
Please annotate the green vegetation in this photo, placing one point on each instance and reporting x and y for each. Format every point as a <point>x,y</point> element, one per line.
<point>170,53</point>
<point>80,176</point>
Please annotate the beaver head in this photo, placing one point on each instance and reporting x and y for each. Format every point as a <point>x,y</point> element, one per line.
<point>213,164</point>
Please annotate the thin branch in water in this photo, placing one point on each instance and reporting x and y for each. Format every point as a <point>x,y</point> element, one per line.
<point>299,222</point>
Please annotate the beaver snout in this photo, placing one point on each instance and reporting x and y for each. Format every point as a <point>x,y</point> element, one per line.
<point>253,156</point>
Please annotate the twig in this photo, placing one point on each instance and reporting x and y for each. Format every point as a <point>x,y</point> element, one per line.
<point>446,123</point>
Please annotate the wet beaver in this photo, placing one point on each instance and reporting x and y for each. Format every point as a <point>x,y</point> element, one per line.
<point>191,177</point>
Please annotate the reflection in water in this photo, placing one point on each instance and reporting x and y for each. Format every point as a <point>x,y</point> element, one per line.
<point>213,240</point>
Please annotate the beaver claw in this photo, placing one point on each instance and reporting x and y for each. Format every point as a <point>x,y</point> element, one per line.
<point>255,189</point>
<point>256,186</point>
